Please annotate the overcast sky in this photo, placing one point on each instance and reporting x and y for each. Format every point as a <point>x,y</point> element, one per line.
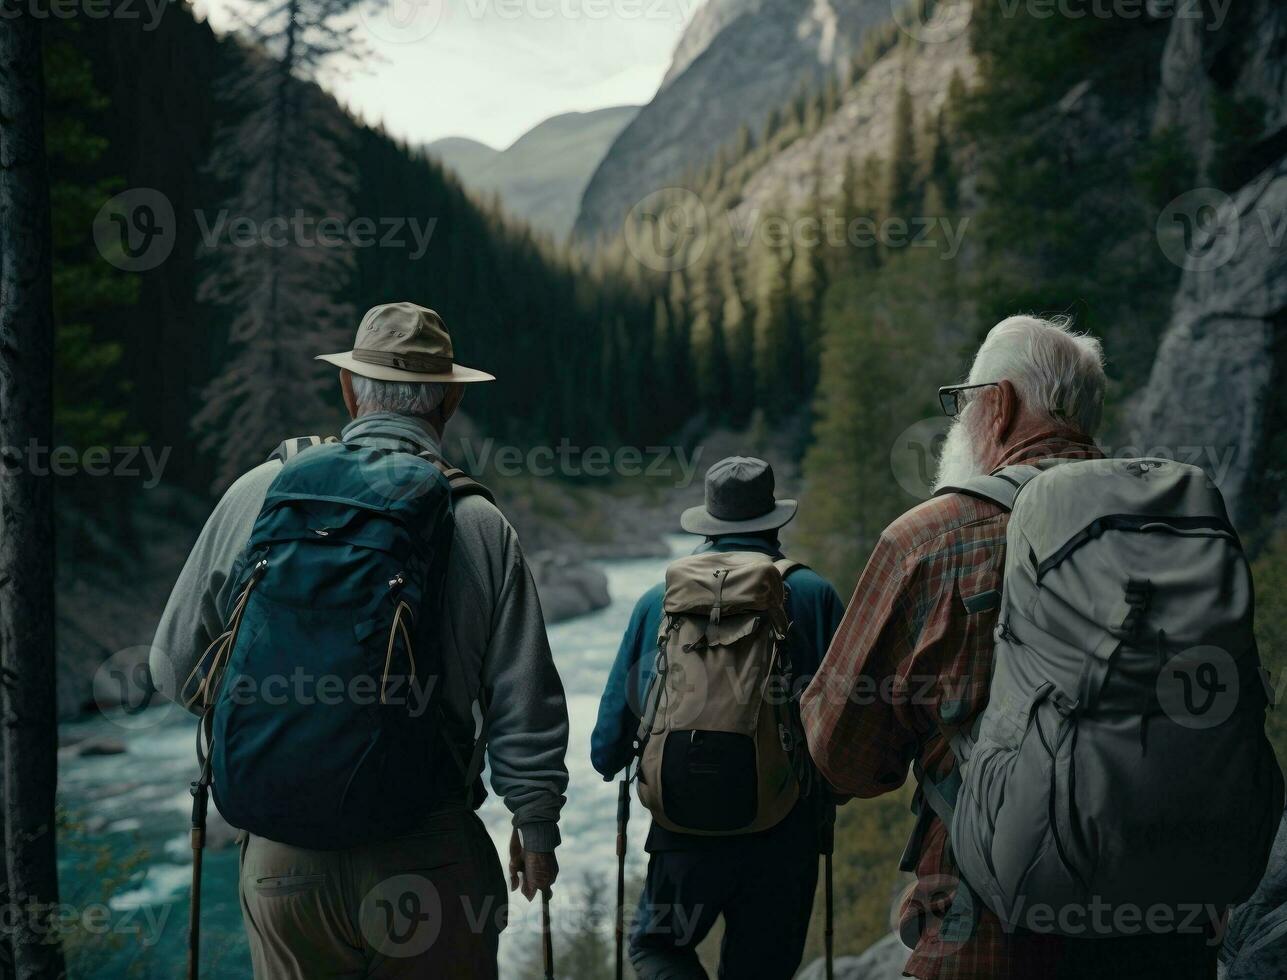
<point>492,69</point>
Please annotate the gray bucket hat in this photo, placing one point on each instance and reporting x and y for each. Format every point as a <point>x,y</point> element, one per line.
<point>404,342</point>
<point>739,500</point>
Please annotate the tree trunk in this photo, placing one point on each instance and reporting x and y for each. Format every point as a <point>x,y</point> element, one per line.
<point>27,706</point>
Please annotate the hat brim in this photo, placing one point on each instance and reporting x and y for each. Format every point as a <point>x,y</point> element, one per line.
<point>459,374</point>
<point>698,520</point>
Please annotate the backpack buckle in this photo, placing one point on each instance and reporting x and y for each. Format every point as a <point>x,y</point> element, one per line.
<point>786,738</point>
<point>1064,704</point>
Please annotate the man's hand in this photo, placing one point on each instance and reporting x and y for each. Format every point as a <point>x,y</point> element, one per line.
<point>530,871</point>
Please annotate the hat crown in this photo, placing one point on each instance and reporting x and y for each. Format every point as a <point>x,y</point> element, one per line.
<point>740,488</point>
<point>404,328</point>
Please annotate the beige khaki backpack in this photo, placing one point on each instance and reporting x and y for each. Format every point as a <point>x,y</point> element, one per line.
<point>720,738</point>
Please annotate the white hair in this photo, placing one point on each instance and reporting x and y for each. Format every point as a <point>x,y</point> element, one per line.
<point>403,397</point>
<point>1057,371</point>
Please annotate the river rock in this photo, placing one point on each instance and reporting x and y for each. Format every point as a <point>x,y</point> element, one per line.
<point>882,961</point>
<point>568,587</point>
<point>96,745</point>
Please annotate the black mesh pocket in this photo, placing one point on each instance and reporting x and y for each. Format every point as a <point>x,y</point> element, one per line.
<point>708,780</point>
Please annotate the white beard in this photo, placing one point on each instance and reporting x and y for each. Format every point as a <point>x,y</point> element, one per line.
<point>958,461</point>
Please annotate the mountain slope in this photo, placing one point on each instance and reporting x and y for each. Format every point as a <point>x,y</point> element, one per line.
<point>462,154</point>
<point>540,177</point>
<point>758,54</point>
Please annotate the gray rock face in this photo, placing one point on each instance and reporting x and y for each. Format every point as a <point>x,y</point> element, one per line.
<point>1243,49</point>
<point>1209,390</point>
<point>711,18</point>
<point>864,124</point>
<point>882,961</point>
<point>754,61</point>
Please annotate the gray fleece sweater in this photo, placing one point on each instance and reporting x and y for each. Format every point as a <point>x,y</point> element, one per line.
<point>496,652</point>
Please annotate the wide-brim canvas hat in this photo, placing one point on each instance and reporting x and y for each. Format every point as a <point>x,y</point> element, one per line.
<point>404,342</point>
<point>739,500</point>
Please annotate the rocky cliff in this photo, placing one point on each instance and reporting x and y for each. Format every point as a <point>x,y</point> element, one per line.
<point>1215,393</point>
<point>738,61</point>
<point>864,123</point>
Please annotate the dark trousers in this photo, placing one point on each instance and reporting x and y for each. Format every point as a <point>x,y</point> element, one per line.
<point>765,895</point>
<point>1166,957</point>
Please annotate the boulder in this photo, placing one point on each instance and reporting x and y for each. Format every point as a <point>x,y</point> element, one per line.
<point>95,745</point>
<point>568,587</point>
<point>882,961</point>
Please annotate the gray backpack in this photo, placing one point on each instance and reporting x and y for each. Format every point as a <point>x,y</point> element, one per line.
<point>1119,780</point>
<point>721,749</point>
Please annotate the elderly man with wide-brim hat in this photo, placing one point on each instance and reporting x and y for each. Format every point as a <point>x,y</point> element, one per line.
<point>431,904</point>
<point>761,884</point>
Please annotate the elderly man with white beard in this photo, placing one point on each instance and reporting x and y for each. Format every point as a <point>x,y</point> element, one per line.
<point>913,656</point>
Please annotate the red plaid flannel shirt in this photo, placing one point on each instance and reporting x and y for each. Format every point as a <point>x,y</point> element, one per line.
<point>908,646</point>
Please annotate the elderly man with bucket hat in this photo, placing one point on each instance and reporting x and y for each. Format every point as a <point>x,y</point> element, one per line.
<point>761,883</point>
<point>428,900</point>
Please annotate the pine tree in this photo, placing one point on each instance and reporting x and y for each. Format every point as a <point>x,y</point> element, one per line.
<point>902,198</point>
<point>286,163</point>
<point>89,391</point>
<point>739,333</point>
<point>773,353</point>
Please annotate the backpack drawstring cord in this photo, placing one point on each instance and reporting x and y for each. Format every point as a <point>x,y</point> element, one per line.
<point>222,647</point>
<point>399,627</point>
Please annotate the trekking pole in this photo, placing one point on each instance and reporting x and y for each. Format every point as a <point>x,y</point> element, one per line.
<point>829,846</point>
<point>200,799</point>
<point>623,818</point>
<point>547,940</point>
<point>200,790</point>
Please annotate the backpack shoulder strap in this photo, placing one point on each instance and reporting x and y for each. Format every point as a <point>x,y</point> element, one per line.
<point>1000,488</point>
<point>290,448</point>
<point>462,484</point>
<point>786,566</point>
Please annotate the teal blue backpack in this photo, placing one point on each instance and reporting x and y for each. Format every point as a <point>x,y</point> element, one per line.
<point>322,726</point>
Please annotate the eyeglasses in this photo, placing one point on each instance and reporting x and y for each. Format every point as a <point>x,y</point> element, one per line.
<point>949,396</point>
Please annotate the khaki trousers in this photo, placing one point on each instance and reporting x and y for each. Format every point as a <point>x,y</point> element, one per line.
<point>428,905</point>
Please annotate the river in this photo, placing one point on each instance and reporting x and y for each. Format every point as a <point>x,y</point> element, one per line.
<point>125,865</point>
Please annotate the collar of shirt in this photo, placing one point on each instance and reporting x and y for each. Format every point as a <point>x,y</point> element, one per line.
<point>389,430</point>
<point>740,542</point>
<point>1048,444</point>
